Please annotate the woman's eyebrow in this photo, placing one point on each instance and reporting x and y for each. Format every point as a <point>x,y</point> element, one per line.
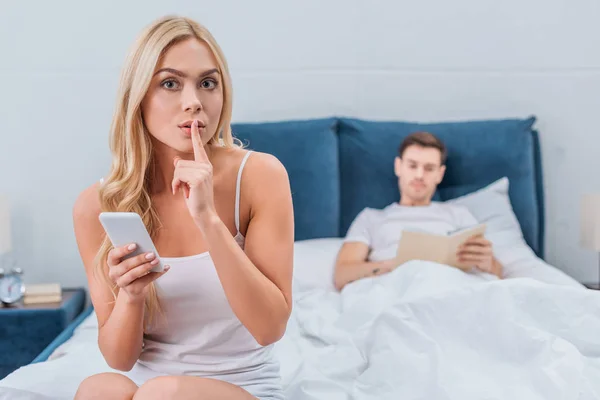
<point>183,74</point>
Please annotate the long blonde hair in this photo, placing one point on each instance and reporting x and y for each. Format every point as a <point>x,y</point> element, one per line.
<point>127,186</point>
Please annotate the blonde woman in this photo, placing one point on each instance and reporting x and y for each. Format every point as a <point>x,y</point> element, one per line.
<point>221,219</point>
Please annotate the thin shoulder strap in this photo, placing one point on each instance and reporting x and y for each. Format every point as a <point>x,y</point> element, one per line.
<point>237,191</point>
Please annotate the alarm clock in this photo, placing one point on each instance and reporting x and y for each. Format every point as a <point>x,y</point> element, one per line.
<point>12,287</point>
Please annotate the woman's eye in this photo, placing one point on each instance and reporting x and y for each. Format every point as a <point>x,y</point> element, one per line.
<point>208,84</point>
<point>169,84</point>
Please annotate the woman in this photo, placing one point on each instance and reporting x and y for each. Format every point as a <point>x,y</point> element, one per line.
<point>220,217</point>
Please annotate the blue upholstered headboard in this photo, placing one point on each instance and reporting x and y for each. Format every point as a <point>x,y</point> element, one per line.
<point>338,166</point>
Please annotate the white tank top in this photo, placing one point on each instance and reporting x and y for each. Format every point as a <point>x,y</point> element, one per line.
<point>198,333</point>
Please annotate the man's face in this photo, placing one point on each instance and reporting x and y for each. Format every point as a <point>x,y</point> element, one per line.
<point>419,171</point>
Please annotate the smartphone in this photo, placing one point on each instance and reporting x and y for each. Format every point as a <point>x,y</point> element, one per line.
<point>124,228</point>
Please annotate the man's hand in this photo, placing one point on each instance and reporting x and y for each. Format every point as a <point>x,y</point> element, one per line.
<point>477,251</point>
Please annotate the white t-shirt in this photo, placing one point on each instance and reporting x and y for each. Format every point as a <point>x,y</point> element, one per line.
<point>381,229</point>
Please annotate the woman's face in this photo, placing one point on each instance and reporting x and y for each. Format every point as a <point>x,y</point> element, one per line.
<point>186,86</point>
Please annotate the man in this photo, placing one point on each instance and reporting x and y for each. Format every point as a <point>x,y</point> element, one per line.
<point>371,243</point>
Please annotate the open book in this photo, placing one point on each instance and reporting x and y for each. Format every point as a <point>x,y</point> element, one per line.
<point>437,248</point>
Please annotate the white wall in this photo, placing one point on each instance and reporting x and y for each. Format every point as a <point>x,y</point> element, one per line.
<point>425,61</point>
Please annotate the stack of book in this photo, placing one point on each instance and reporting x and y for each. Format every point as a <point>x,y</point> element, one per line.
<point>42,293</point>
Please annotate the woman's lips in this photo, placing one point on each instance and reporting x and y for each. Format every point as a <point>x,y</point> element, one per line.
<point>188,131</point>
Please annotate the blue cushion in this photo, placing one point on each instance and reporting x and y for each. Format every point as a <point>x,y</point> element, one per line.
<point>479,152</point>
<point>309,152</point>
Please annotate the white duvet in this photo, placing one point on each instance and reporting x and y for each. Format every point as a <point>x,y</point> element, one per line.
<point>427,331</point>
<point>424,331</point>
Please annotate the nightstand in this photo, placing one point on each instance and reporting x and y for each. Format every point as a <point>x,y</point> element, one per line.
<point>26,330</point>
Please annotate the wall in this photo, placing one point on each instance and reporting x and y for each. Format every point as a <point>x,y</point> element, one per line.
<point>425,61</point>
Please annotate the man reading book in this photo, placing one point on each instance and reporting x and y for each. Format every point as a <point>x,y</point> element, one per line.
<point>371,242</point>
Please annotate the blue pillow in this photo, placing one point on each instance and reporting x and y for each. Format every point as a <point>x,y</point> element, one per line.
<point>309,151</point>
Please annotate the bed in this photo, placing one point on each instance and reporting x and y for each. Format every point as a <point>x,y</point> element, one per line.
<point>425,330</point>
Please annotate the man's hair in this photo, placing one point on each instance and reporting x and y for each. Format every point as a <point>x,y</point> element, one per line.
<point>423,139</point>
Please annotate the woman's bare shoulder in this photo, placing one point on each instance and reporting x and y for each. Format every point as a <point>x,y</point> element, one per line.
<point>257,162</point>
<point>266,175</point>
<point>264,163</point>
<point>87,205</point>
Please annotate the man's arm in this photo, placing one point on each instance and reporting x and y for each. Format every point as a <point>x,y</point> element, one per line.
<point>352,264</point>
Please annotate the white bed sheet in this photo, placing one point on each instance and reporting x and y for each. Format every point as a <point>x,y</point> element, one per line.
<point>422,331</point>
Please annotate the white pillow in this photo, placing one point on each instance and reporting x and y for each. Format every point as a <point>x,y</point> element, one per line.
<point>314,262</point>
<point>491,205</point>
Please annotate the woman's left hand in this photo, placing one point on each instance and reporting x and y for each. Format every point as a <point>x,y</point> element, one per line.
<point>195,179</point>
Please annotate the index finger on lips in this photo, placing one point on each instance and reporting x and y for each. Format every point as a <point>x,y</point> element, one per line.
<point>199,152</point>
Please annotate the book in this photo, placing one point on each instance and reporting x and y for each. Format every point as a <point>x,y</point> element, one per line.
<point>42,299</point>
<point>42,289</point>
<point>42,293</point>
<point>442,249</point>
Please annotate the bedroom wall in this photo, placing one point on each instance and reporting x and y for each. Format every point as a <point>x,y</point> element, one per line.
<point>425,61</point>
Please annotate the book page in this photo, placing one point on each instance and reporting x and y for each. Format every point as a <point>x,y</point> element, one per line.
<point>422,246</point>
<point>436,248</point>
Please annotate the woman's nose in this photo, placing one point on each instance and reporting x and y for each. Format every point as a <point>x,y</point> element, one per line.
<point>192,102</point>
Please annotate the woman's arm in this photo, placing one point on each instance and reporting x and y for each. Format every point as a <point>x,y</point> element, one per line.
<point>258,281</point>
<point>120,323</point>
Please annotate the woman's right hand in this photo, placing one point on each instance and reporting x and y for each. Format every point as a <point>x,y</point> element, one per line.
<point>133,275</point>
